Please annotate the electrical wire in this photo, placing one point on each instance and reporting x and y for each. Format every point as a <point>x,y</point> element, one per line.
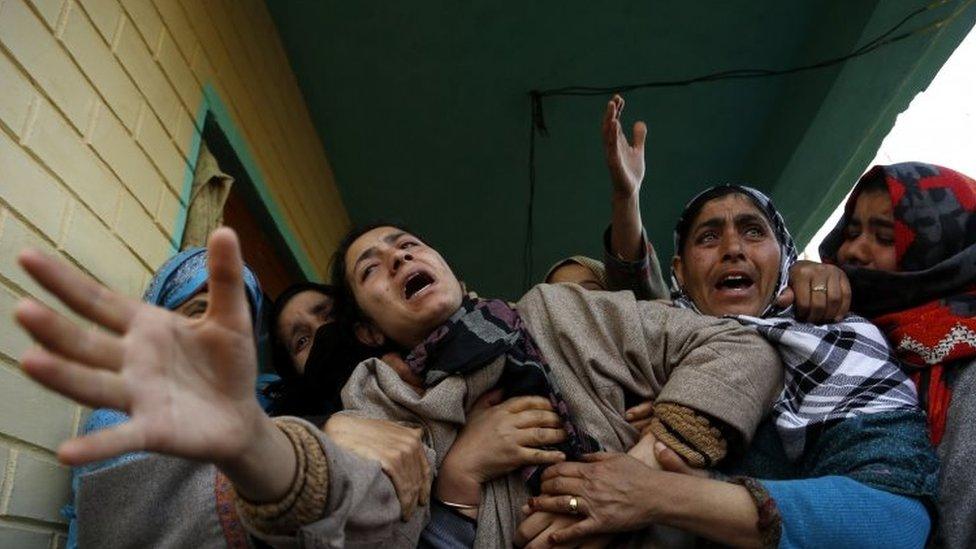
<point>538,122</point>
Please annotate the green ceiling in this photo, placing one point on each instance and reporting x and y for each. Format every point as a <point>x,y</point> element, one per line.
<point>424,114</point>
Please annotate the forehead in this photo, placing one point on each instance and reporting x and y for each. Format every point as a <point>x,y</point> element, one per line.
<point>728,206</point>
<point>874,202</point>
<point>571,271</point>
<point>304,300</point>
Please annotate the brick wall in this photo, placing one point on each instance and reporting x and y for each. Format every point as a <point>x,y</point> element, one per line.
<point>98,100</point>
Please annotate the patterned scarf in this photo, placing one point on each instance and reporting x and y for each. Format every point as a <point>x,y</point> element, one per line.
<point>479,332</point>
<point>833,371</point>
<point>928,307</point>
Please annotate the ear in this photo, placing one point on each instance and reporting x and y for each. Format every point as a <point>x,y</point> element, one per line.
<point>678,267</point>
<point>369,335</point>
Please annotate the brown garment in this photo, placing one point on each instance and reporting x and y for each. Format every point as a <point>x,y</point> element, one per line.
<point>210,190</point>
<point>599,345</point>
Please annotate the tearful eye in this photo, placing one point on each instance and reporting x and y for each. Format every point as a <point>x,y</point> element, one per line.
<point>367,271</point>
<point>300,343</point>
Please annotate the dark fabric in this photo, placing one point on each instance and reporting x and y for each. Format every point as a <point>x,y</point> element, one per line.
<point>481,331</point>
<point>315,395</point>
<point>928,308</point>
<point>281,358</point>
<point>834,372</point>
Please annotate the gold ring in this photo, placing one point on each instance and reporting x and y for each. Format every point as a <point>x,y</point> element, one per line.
<point>819,288</point>
<point>574,505</point>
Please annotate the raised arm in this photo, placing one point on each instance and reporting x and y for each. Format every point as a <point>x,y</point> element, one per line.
<point>186,383</point>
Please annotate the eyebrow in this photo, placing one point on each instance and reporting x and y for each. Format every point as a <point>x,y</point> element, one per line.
<point>741,219</point>
<point>880,222</point>
<point>371,251</point>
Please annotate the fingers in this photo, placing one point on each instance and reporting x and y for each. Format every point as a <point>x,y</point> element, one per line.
<point>801,300</point>
<point>538,418</point>
<point>575,531</point>
<point>566,469</point>
<point>640,134</point>
<point>519,404</point>
<point>487,400</point>
<point>818,300</point>
<point>228,302</point>
<point>93,388</point>
<point>834,298</point>
<point>79,291</point>
<point>670,461</point>
<point>534,456</point>
<point>533,525</point>
<point>563,485</point>
<point>125,438</point>
<point>537,437</point>
<point>559,504</point>
<point>845,304</point>
<point>599,456</point>
<point>63,337</point>
<point>785,298</point>
<point>643,410</point>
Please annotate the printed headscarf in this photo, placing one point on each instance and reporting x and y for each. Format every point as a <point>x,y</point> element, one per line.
<point>832,372</point>
<point>928,307</point>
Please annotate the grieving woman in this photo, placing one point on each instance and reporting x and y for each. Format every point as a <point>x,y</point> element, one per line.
<point>320,494</point>
<point>907,241</point>
<point>846,427</point>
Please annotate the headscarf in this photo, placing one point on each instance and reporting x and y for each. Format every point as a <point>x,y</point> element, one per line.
<point>595,266</point>
<point>185,274</point>
<point>832,372</point>
<point>478,333</point>
<point>928,307</point>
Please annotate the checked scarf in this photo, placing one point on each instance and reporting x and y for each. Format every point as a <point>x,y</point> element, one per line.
<point>833,371</point>
<point>478,333</point>
<point>928,307</point>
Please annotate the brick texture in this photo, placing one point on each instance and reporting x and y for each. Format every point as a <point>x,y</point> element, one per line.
<point>97,126</point>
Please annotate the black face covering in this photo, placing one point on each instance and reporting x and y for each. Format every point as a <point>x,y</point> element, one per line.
<point>334,355</point>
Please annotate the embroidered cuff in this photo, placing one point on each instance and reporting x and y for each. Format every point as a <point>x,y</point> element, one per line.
<point>770,523</point>
<point>306,498</point>
<point>689,433</point>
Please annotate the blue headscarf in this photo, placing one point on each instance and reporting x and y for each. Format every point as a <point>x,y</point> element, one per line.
<point>185,274</point>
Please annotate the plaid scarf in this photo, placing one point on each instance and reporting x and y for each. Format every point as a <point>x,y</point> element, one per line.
<point>928,307</point>
<point>833,371</point>
<point>478,333</point>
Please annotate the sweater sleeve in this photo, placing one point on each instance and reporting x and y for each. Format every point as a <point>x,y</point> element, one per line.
<point>641,276</point>
<point>840,512</point>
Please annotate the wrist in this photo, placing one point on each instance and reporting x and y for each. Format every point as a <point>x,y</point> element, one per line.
<point>456,484</point>
<point>625,198</point>
<point>248,470</point>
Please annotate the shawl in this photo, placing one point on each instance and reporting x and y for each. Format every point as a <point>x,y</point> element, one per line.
<point>928,307</point>
<point>833,371</point>
<point>478,333</point>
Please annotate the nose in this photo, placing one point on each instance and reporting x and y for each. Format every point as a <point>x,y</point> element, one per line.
<point>855,252</point>
<point>731,247</point>
<point>400,257</point>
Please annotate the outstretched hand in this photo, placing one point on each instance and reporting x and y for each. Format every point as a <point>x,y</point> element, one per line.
<point>625,161</point>
<point>186,383</point>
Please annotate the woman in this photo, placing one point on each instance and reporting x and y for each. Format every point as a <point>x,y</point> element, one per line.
<point>907,241</point>
<point>850,435</point>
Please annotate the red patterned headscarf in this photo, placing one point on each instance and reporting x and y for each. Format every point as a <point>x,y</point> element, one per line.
<point>928,308</point>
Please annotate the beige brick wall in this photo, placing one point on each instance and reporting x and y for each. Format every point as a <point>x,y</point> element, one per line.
<point>97,125</point>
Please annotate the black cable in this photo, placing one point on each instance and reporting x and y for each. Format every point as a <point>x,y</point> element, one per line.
<point>538,122</point>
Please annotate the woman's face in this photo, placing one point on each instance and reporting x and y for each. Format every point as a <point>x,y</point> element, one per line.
<point>576,274</point>
<point>869,238</point>
<point>731,259</point>
<point>195,306</point>
<point>298,321</point>
<point>402,285</point>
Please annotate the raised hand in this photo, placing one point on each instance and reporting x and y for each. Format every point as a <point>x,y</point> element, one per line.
<point>186,383</point>
<point>625,161</point>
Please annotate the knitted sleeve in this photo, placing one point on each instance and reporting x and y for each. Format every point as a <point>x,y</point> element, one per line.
<point>840,512</point>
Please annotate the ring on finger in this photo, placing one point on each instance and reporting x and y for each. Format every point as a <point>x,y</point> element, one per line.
<point>819,288</point>
<point>574,505</point>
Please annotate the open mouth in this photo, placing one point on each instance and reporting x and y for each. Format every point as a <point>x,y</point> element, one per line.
<point>735,281</point>
<point>416,283</point>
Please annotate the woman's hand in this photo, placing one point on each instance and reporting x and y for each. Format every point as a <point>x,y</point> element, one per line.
<point>188,384</point>
<point>614,493</point>
<point>639,417</point>
<point>399,450</point>
<point>535,530</point>
<point>625,161</point>
<point>820,293</point>
<point>498,438</point>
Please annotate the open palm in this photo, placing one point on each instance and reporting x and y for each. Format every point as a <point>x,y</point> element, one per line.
<point>626,161</point>
<point>186,383</point>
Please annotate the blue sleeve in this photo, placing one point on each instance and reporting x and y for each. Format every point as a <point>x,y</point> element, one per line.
<point>839,512</point>
<point>447,530</point>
